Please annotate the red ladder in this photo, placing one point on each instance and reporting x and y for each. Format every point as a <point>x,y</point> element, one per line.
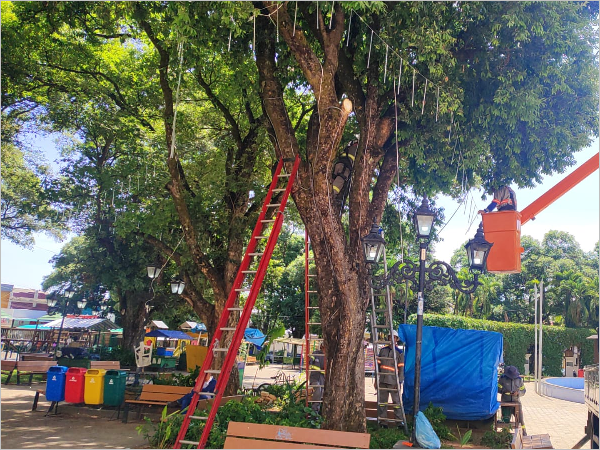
<point>238,331</point>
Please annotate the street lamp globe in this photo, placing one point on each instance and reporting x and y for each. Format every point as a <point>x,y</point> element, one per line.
<point>373,244</point>
<point>177,286</point>
<point>69,292</point>
<point>81,303</point>
<point>153,271</point>
<point>477,250</point>
<point>52,302</point>
<point>423,220</point>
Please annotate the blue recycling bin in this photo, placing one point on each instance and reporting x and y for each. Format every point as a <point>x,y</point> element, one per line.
<point>55,386</point>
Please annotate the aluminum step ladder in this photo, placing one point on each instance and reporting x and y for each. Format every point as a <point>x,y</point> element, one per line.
<point>383,326</point>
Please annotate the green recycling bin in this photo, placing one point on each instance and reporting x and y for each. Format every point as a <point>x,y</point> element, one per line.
<point>114,387</point>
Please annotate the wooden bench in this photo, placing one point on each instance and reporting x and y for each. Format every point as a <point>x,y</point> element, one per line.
<point>533,441</point>
<point>251,360</point>
<point>163,395</point>
<point>255,435</point>
<point>36,357</point>
<point>8,366</point>
<point>27,367</point>
<point>106,365</point>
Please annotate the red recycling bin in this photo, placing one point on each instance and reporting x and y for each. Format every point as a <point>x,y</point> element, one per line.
<point>580,373</point>
<point>75,385</point>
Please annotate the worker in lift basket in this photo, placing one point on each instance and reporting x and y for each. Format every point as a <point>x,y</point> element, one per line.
<point>511,388</point>
<point>505,199</point>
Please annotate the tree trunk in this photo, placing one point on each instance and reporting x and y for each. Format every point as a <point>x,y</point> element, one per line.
<point>133,306</point>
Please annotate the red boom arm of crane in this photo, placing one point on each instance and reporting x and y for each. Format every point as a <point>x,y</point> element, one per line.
<point>562,187</point>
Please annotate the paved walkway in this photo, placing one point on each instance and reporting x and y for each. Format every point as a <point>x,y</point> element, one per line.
<point>72,428</point>
<point>564,421</point>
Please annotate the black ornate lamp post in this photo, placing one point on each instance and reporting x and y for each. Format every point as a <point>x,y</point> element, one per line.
<point>438,271</point>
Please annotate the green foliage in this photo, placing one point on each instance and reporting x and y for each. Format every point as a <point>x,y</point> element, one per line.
<point>437,419</point>
<point>384,437</point>
<point>291,413</point>
<point>124,355</point>
<point>25,204</point>
<point>178,379</point>
<point>519,337</point>
<point>493,439</point>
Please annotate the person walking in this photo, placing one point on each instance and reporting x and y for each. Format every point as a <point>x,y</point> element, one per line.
<point>387,379</point>
<point>512,388</point>
<point>317,376</point>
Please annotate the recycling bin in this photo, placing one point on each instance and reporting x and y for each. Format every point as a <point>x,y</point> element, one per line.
<point>55,384</point>
<point>75,384</point>
<point>94,387</point>
<point>114,387</point>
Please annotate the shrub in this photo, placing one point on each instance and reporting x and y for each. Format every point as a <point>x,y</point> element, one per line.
<point>437,419</point>
<point>179,379</point>
<point>384,437</point>
<point>291,413</point>
<point>493,439</point>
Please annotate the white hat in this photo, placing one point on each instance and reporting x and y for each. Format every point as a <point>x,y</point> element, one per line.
<point>395,334</point>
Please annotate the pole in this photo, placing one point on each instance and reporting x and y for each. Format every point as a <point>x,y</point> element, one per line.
<point>535,353</point>
<point>405,300</point>
<point>540,372</point>
<point>419,337</point>
<point>64,313</point>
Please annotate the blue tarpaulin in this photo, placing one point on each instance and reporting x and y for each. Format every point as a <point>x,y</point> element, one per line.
<point>255,337</point>
<point>169,334</point>
<point>459,371</point>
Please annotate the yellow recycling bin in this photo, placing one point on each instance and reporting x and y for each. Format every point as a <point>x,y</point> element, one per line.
<point>94,387</point>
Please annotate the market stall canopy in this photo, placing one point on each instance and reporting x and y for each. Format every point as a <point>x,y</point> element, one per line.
<point>49,317</point>
<point>255,337</point>
<point>159,324</point>
<point>194,327</point>
<point>78,324</point>
<point>33,327</point>
<point>169,334</point>
<point>293,341</point>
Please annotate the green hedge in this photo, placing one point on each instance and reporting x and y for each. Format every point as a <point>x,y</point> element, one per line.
<point>518,337</point>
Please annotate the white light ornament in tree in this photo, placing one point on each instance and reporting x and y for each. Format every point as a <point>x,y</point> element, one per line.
<point>153,271</point>
<point>177,286</point>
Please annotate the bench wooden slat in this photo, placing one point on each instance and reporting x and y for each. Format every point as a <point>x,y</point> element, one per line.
<point>146,402</point>
<point>300,435</point>
<point>8,365</point>
<point>157,397</point>
<point>233,442</point>
<point>35,366</point>
<point>166,389</point>
<point>106,365</point>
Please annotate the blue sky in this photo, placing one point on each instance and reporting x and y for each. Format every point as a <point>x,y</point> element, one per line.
<point>577,212</point>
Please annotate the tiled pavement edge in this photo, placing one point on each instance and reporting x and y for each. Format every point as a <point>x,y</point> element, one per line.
<point>564,421</point>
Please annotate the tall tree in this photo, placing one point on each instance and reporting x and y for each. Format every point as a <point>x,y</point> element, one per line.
<point>498,66</point>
